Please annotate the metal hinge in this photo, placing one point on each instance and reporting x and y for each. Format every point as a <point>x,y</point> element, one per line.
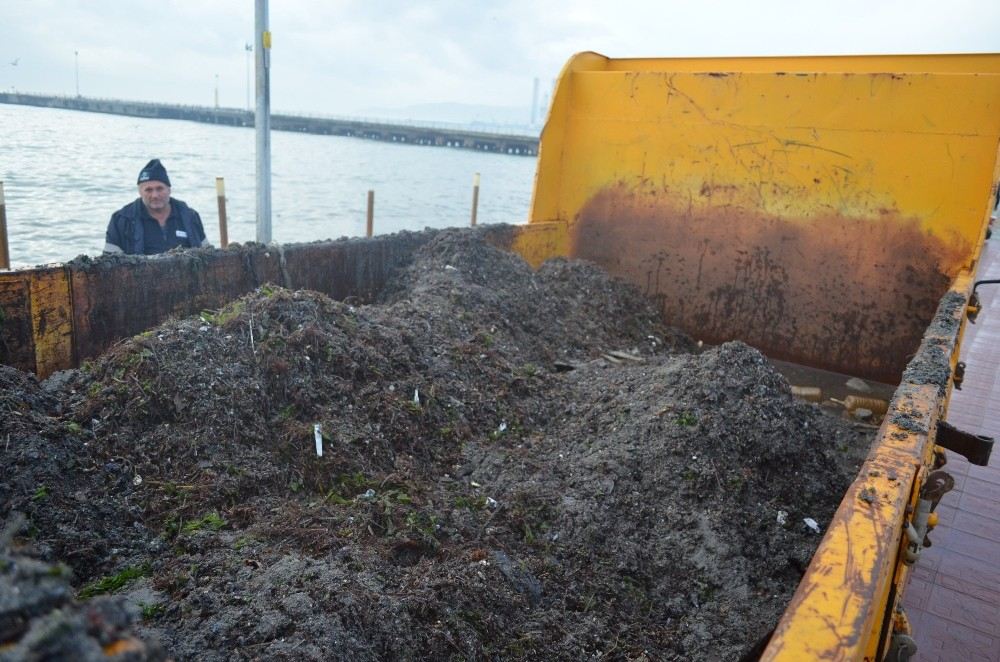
<point>976,448</point>
<point>972,311</point>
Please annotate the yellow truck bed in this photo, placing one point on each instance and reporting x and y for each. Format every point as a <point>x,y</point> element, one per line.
<point>828,210</point>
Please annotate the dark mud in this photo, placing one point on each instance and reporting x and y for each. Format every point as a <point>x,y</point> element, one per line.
<point>516,465</point>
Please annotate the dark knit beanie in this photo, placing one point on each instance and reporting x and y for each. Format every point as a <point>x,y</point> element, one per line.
<point>154,171</point>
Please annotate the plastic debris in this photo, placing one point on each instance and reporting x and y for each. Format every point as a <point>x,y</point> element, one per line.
<point>416,396</point>
<point>812,524</point>
<point>137,481</point>
<point>318,435</point>
<point>859,385</point>
<point>782,517</point>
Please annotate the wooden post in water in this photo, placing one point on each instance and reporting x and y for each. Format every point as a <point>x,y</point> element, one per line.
<point>370,226</point>
<point>220,196</point>
<point>475,198</point>
<point>4,246</point>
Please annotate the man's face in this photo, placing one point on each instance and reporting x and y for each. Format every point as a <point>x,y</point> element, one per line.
<point>155,195</point>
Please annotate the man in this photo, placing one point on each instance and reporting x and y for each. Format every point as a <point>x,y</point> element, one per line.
<point>155,222</point>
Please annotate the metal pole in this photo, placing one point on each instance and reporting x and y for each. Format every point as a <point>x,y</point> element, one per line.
<point>475,198</point>
<point>4,250</point>
<point>220,196</point>
<point>76,57</point>
<point>370,225</point>
<point>249,49</point>
<point>216,91</point>
<point>262,121</point>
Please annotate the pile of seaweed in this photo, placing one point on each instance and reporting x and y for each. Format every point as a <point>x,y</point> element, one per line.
<point>515,464</point>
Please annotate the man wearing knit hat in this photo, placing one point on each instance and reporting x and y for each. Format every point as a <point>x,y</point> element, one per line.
<point>154,222</point>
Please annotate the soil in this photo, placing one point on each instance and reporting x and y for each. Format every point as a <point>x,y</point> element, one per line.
<point>515,465</point>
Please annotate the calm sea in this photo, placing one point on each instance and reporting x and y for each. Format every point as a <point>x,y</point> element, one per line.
<point>65,172</point>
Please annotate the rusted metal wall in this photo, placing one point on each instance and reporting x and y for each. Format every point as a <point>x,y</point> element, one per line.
<point>53,318</point>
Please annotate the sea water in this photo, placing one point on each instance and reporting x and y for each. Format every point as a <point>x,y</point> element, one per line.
<point>65,172</point>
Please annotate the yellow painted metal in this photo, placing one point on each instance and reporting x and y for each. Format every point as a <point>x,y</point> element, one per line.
<point>856,577</point>
<point>921,145</point>
<point>962,63</point>
<point>538,242</point>
<point>637,122</point>
<point>52,319</point>
<point>759,199</point>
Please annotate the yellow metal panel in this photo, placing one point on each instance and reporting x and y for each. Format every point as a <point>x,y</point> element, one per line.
<point>819,216</point>
<point>52,320</point>
<point>863,146</point>
<point>538,242</point>
<point>897,64</point>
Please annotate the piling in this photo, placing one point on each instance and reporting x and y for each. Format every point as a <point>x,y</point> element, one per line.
<point>370,225</point>
<point>475,198</point>
<point>4,246</point>
<point>220,196</point>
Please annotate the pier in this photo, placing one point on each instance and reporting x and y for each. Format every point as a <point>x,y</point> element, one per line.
<point>415,134</point>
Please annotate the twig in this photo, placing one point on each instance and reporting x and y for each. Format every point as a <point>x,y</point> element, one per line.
<point>252,348</point>
<point>718,479</point>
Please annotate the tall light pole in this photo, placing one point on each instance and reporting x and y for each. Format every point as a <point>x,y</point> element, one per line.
<point>262,120</point>
<point>76,57</point>
<point>249,49</point>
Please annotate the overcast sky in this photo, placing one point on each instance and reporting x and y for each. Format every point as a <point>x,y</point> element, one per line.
<point>347,57</point>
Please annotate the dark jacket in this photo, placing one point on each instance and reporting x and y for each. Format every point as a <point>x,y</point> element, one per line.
<point>125,230</point>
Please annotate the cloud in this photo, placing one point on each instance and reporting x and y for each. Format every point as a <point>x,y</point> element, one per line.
<point>338,57</point>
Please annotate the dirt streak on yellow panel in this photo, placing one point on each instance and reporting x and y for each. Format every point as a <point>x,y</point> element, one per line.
<point>817,216</point>
<point>52,320</point>
<point>862,146</point>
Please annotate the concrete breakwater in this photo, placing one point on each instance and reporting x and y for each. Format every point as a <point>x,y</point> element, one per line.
<point>438,136</point>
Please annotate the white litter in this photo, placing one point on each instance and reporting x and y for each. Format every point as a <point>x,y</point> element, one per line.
<point>782,517</point>
<point>318,435</point>
<point>812,524</point>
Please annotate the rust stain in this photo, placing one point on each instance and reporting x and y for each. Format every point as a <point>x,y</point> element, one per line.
<point>845,294</point>
<point>17,342</point>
